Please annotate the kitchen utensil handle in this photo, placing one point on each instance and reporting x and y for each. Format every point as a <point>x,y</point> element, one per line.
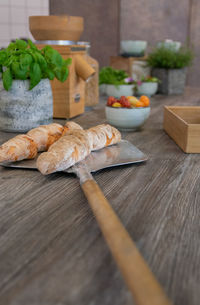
<point>137,275</point>
<point>83,68</point>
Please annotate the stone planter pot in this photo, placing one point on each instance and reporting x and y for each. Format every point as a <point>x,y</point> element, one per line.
<point>147,88</point>
<point>112,90</point>
<point>22,109</point>
<point>172,80</point>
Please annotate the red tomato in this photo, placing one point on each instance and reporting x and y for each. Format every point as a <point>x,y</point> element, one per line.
<point>124,102</point>
<point>111,100</point>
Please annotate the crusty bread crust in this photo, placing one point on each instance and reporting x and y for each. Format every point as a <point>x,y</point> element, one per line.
<point>103,135</point>
<point>18,148</point>
<point>26,146</point>
<point>75,146</point>
<point>69,149</point>
<point>69,126</point>
<point>45,135</point>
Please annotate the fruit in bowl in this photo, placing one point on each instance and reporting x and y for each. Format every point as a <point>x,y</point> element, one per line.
<point>128,102</point>
<point>128,112</point>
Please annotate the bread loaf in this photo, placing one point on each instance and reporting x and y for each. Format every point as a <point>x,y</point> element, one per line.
<point>45,135</point>
<point>70,126</point>
<point>18,148</point>
<point>75,146</point>
<point>26,146</point>
<point>69,149</point>
<point>103,135</point>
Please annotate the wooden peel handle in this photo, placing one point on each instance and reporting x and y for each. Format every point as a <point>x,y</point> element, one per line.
<point>137,275</point>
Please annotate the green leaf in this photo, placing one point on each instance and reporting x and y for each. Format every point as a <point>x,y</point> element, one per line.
<point>52,56</point>
<point>67,62</point>
<point>21,44</point>
<point>32,45</point>
<point>168,58</point>
<point>7,79</point>
<point>50,74</point>
<point>25,59</point>
<point>20,72</point>
<point>62,74</point>
<point>10,60</point>
<point>41,60</point>
<point>3,57</point>
<point>65,73</point>
<point>108,75</point>
<point>35,75</point>
<point>11,47</point>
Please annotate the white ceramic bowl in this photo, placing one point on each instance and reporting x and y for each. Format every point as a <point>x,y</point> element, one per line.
<point>170,44</point>
<point>102,89</point>
<point>147,88</point>
<point>127,119</point>
<point>122,90</point>
<point>133,47</point>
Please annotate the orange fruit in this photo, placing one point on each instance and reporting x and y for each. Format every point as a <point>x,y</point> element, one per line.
<point>139,104</point>
<point>145,100</point>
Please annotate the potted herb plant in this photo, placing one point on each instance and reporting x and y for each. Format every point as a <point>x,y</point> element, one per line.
<point>169,66</point>
<point>25,91</point>
<point>114,82</point>
<point>147,86</point>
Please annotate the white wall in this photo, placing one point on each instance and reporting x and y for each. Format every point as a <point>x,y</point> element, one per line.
<point>14,18</point>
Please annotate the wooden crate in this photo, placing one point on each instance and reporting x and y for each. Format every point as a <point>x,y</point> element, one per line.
<point>125,63</point>
<point>182,123</point>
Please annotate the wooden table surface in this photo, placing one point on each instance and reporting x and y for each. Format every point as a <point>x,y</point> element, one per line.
<point>51,249</point>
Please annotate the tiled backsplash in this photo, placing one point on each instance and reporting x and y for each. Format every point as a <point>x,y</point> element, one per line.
<point>14,18</point>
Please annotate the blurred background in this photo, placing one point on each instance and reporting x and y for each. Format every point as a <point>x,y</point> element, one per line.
<point>106,23</point>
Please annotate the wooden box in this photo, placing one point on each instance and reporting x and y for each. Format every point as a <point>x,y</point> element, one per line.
<point>127,64</point>
<point>182,123</point>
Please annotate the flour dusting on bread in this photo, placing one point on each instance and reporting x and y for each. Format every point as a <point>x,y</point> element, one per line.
<point>75,146</point>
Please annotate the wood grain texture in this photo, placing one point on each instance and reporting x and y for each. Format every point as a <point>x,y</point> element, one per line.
<point>51,249</point>
<point>136,273</point>
<point>183,125</point>
<point>64,104</point>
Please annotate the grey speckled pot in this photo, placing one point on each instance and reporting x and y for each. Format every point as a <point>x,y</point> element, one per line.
<point>22,109</point>
<point>172,80</point>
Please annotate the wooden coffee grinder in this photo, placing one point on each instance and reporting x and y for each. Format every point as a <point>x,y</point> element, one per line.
<point>69,97</point>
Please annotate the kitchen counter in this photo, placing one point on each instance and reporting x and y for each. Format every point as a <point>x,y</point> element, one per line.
<point>51,249</point>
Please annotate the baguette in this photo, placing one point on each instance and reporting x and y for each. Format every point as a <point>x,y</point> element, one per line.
<point>70,126</point>
<point>75,146</point>
<point>103,135</point>
<point>26,146</point>
<point>71,148</point>
<point>18,148</point>
<point>45,135</point>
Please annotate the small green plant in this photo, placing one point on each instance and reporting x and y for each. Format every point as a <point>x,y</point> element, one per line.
<point>108,75</point>
<point>149,79</point>
<point>170,59</point>
<point>22,60</point>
